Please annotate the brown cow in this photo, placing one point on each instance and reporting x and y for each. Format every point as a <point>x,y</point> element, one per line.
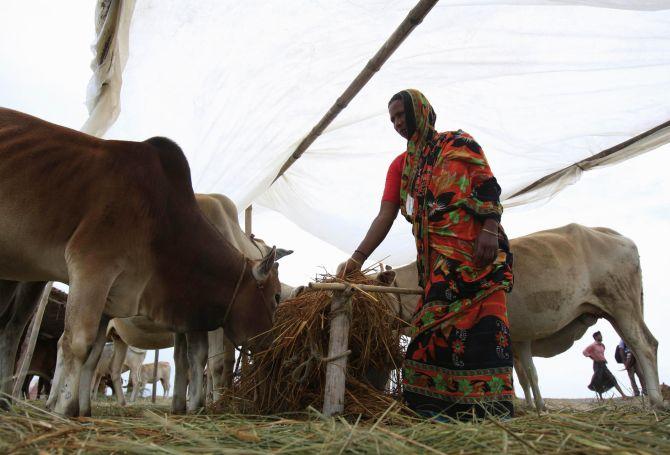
<point>118,221</point>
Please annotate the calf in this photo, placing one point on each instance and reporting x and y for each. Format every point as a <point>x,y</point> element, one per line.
<point>162,375</point>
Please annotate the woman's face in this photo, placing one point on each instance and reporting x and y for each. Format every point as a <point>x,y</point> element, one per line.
<point>397,113</point>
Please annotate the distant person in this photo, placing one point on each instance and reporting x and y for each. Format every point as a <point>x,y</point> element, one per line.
<point>625,355</point>
<point>602,379</point>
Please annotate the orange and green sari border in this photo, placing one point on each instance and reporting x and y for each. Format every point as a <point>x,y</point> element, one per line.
<point>466,382</point>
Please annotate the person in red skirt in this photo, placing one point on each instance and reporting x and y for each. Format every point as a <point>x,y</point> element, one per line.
<point>459,361</point>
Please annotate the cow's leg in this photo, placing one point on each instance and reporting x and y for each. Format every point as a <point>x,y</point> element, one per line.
<point>221,362</point>
<point>138,383</point>
<point>165,382</point>
<point>95,388</point>
<point>520,368</point>
<point>216,364</point>
<point>180,374</point>
<point>634,331</point>
<point>58,375</point>
<point>228,362</point>
<point>115,368</point>
<point>43,386</point>
<point>88,369</point>
<point>85,304</point>
<point>197,358</point>
<point>17,305</point>
<point>638,372</point>
<point>631,376</point>
<point>210,385</point>
<point>25,388</point>
<point>524,353</point>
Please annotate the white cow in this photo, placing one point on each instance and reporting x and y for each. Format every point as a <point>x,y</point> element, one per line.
<point>132,361</point>
<point>147,377</point>
<point>142,333</point>
<point>564,280</point>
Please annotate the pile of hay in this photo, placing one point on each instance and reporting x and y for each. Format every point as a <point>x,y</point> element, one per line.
<point>290,376</point>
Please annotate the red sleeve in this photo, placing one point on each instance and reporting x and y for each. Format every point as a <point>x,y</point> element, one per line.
<point>393,177</point>
<point>588,351</point>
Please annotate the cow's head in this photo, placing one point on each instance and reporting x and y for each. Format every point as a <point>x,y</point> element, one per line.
<point>252,314</point>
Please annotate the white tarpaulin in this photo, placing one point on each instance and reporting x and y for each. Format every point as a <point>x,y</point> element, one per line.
<point>541,85</point>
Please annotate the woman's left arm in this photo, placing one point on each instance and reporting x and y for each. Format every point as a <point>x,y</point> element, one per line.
<point>485,204</point>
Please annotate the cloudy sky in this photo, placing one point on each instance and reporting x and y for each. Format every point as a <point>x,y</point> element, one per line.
<point>44,56</point>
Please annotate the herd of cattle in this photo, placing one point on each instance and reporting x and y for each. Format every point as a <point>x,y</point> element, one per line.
<point>152,265</point>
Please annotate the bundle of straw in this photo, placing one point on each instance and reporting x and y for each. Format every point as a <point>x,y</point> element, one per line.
<point>290,375</point>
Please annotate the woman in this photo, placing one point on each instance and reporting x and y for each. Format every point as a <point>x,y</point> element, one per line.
<point>459,362</point>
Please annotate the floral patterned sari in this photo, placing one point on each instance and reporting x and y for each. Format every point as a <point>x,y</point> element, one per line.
<point>459,361</point>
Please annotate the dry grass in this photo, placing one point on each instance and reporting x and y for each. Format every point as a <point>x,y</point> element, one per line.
<point>615,426</point>
<point>286,382</point>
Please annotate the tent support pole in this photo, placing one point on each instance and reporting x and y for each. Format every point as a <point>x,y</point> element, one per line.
<point>414,18</point>
<point>153,389</point>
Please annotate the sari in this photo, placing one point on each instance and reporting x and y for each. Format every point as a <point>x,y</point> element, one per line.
<point>459,361</point>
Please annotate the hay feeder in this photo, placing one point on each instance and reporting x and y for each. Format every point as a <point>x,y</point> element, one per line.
<point>338,349</point>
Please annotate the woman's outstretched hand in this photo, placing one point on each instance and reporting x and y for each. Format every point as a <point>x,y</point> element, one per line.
<point>345,268</point>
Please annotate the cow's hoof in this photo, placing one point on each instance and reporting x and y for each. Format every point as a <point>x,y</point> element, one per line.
<point>662,406</point>
<point>69,409</point>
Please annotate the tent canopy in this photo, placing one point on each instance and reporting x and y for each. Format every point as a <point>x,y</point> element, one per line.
<point>541,85</point>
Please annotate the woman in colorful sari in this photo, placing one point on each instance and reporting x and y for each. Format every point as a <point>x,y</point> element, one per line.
<point>459,361</point>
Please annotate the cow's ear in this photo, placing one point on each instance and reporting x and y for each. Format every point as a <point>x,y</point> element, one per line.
<point>386,278</point>
<point>261,269</point>
<point>388,267</point>
<point>281,252</point>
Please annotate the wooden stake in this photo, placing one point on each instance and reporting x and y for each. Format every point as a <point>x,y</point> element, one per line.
<point>336,371</point>
<point>153,389</point>
<point>31,339</point>
<point>364,287</point>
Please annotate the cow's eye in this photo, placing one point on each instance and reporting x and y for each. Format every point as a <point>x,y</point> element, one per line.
<point>277,297</point>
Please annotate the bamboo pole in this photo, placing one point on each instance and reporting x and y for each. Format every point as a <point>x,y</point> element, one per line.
<point>588,163</point>
<point>364,287</point>
<point>31,339</point>
<point>338,345</point>
<point>153,389</point>
<point>414,18</point>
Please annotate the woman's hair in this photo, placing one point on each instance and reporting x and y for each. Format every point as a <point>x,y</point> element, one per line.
<point>396,97</point>
<point>410,119</point>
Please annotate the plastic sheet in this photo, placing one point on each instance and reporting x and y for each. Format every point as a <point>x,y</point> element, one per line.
<point>540,85</point>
